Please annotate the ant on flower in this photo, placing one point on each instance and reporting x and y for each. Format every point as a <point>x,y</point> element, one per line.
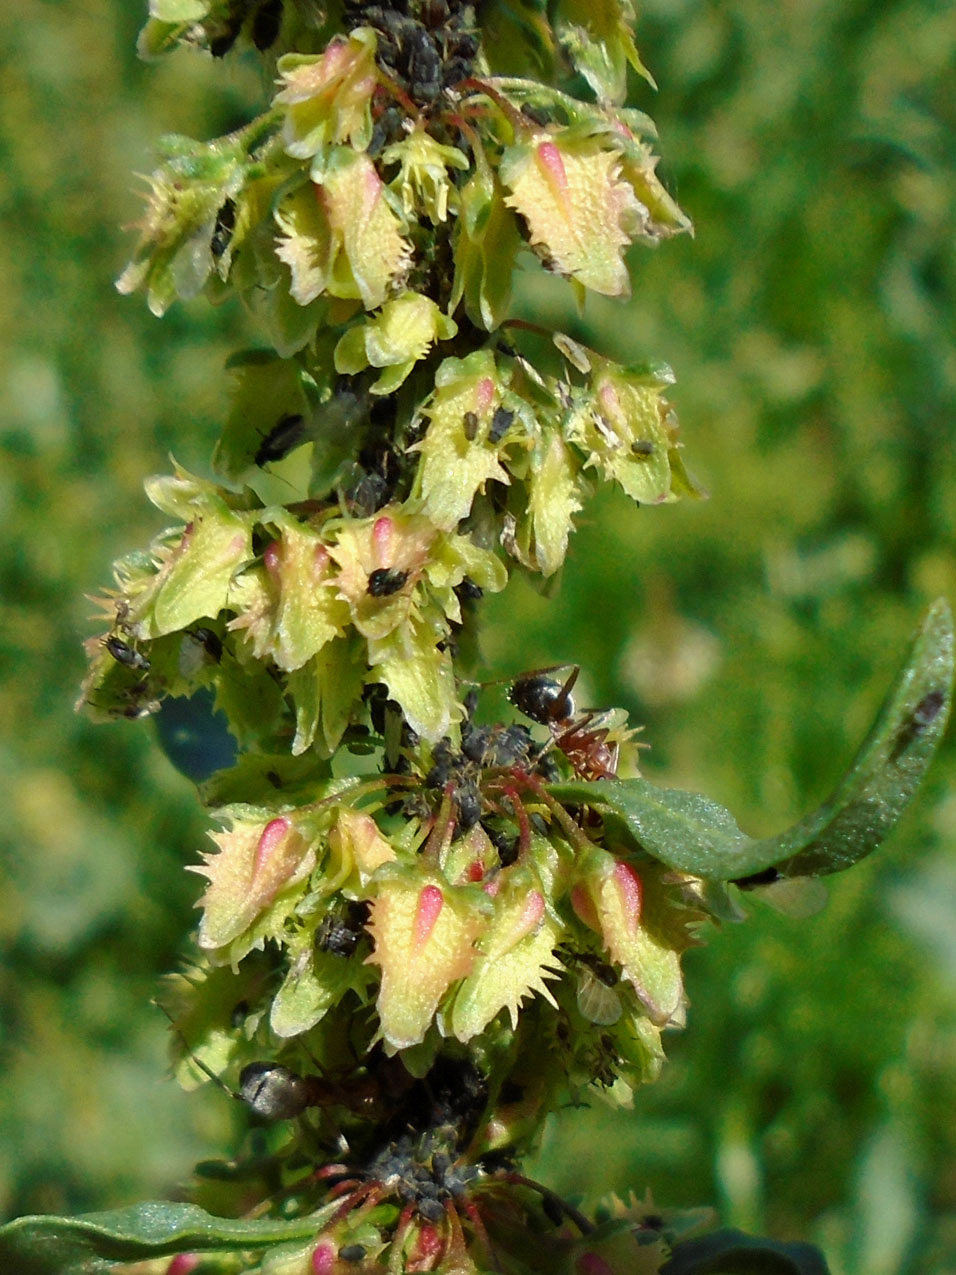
<point>581,737</point>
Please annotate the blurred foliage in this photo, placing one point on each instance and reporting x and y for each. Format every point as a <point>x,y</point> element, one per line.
<point>810,325</point>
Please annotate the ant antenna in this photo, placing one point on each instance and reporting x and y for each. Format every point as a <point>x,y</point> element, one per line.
<point>207,1071</point>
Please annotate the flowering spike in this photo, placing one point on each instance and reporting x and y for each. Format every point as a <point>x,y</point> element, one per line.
<point>423,928</point>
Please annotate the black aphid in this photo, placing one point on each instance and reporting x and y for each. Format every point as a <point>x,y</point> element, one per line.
<point>384,581</point>
<point>125,654</point>
<point>284,437</point>
<point>222,231</point>
<point>501,422</point>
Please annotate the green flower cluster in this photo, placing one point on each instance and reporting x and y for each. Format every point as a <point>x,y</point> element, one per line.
<point>373,219</point>
<point>434,924</point>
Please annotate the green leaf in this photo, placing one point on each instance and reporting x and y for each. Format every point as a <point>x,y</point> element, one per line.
<point>49,1245</point>
<point>596,35</point>
<point>178,10</point>
<point>734,1253</point>
<point>693,834</point>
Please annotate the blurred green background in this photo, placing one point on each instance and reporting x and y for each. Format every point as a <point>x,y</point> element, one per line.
<point>811,325</point>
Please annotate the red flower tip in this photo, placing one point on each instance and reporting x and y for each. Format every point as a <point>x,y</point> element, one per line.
<point>272,834</point>
<point>430,903</point>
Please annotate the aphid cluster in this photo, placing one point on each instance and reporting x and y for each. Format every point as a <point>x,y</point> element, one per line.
<point>419,1161</point>
<point>342,929</point>
<point>376,476</point>
<point>138,682</point>
<point>426,46</point>
<point>423,1172</point>
<point>420,1125</point>
<point>459,771</point>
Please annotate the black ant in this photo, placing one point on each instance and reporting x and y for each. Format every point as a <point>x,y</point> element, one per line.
<point>274,1092</point>
<point>550,703</point>
<point>542,698</point>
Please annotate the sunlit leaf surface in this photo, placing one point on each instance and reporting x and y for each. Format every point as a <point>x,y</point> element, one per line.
<point>693,834</point>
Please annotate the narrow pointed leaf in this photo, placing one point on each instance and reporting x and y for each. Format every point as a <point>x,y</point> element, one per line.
<point>49,1245</point>
<point>691,833</point>
<point>727,1251</point>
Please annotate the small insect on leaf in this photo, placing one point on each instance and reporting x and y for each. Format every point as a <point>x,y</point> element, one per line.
<point>222,231</point>
<point>923,716</point>
<point>287,433</point>
<point>125,654</point>
<point>501,422</point>
<point>384,581</point>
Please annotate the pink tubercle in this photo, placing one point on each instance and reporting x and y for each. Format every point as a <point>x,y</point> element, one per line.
<point>272,835</point>
<point>549,157</point>
<point>382,534</point>
<point>484,394</point>
<point>592,1264</point>
<point>491,887</point>
<point>321,561</point>
<point>335,54</point>
<point>273,557</point>
<point>584,907</point>
<point>607,397</point>
<point>531,915</point>
<point>373,189</point>
<point>430,1242</point>
<point>631,892</point>
<point>323,1259</point>
<point>430,903</point>
<point>183,1263</point>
